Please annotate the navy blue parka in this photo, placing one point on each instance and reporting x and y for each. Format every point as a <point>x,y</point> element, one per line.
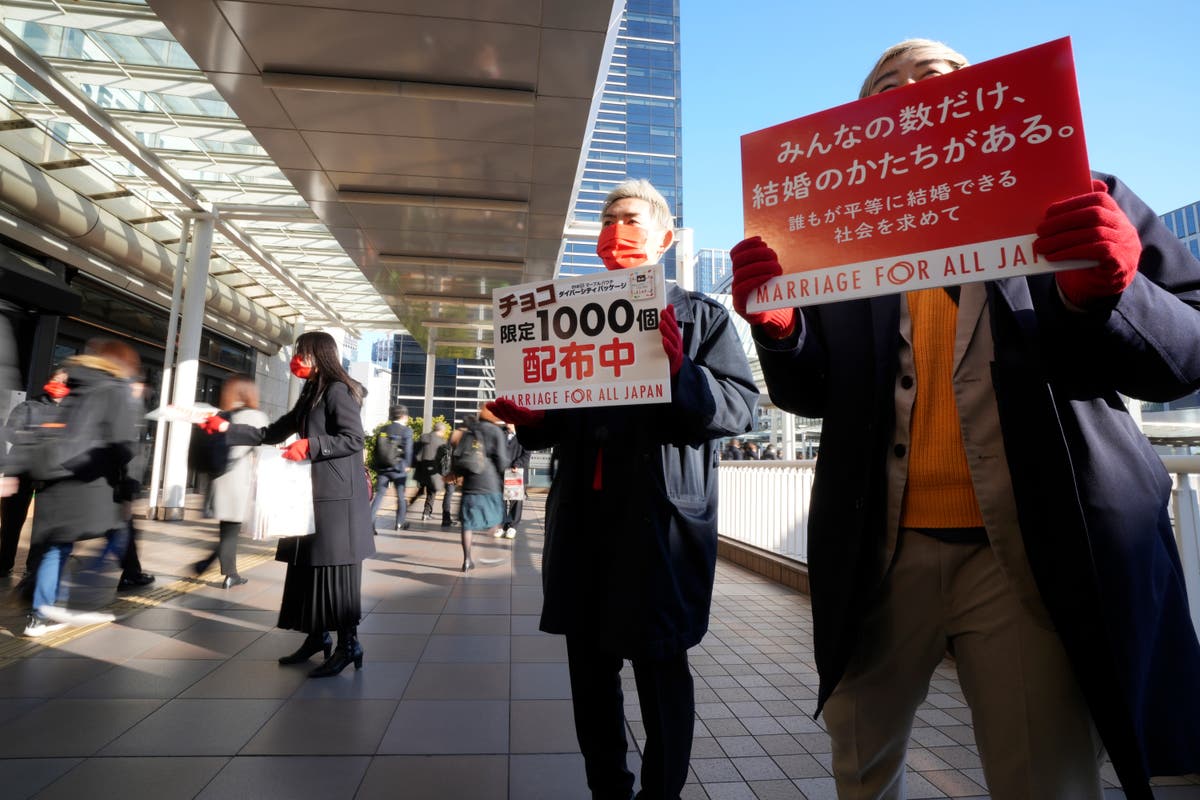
<point>631,541</point>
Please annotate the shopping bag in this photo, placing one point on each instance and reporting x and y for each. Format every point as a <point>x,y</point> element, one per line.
<point>514,485</point>
<point>282,495</point>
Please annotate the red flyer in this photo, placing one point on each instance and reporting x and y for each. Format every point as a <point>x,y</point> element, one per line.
<point>939,182</point>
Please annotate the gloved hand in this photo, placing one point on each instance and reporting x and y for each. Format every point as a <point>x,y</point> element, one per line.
<point>1090,226</point>
<point>753,265</point>
<point>297,450</point>
<point>671,339</point>
<point>508,411</point>
<point>214,424</point>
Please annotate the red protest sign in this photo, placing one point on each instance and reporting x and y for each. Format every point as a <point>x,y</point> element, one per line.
<point>939,182</point>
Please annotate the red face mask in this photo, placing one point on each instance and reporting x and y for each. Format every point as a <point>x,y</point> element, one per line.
<point>622,246</point>
<point>299,369</point>
<point>56,390</point>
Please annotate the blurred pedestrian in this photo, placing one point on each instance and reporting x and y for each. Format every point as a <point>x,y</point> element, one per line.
<point>78,465</point>
<point>769,453</point>
<point>732,451</point>
<point>518,463</point>
<point>231,489</point>
<point>479,460</point>
<point>14,509</point>
<point>393,455</point>
<point>427,465</point>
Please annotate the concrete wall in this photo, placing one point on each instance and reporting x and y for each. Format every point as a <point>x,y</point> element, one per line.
<point>273,378</point>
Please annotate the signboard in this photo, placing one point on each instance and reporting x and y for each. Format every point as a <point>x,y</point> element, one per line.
<point>939,182</point>
<point>585,341</point>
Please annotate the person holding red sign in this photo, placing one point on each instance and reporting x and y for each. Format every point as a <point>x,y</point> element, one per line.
<point>982,488</point>
<point>631,535</point>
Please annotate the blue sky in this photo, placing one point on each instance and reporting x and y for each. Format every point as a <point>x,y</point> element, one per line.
<point>750,65</point>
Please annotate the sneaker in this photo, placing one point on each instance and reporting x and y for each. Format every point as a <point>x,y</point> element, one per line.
<point>510,533</point>
<point>499,532</point>
<point>68,617</point>
<point>40,626</point>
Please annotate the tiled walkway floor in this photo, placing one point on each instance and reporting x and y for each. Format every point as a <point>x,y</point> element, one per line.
<point>460,696</point>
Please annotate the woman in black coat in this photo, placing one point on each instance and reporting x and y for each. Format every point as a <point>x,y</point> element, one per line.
<point>323,587</point>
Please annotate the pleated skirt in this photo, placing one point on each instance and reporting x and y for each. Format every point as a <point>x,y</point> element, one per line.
<point>319,599</point>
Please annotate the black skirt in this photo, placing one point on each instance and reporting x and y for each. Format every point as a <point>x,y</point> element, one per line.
<point>319,599</point>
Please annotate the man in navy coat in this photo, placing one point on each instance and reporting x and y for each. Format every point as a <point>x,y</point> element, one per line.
<point>631,538</point>
<point>1018,518</point>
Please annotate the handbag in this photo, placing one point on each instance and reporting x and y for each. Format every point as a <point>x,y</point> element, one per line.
<point>282,493</point>
<point>514,484</point>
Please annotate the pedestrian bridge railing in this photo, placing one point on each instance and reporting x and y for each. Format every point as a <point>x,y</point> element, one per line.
<point>765,504</point>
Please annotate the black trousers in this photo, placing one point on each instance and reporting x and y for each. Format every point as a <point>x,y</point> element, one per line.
<point>668,703</point>
<point>430,484</point>
<point>14,510</point>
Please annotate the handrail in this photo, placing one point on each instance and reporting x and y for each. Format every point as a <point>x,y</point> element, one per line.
<point>765,504</point>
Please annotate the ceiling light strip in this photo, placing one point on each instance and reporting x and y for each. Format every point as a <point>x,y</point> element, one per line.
<point>412,90</point>
<point>432,200</point>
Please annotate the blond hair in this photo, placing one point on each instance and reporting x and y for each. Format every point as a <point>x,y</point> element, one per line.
<point>936,50</point>
<point>642,189</point>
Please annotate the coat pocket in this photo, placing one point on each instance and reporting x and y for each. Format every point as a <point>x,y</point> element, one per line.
<point>331,480</point>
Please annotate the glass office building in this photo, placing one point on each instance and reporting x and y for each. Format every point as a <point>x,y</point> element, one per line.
<point>713,270</point>
<point>637,129</point>
<point>1185,223</point>
<point>460,385</point>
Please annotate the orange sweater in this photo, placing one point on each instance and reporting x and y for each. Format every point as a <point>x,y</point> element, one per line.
<point>939,493</point>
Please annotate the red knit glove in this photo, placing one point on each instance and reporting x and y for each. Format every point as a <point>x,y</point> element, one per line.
<point>671,338</point>
<point>508,411</point>
<point>214,424</point>
<point>1091,226</point>
<point>297,450</point>
<point>753,265</point>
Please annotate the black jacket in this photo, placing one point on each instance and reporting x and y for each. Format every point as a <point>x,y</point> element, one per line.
<point>630,566</point>
<point>331,423</point>
<point>99,441</point>
<point>403,437</point>
<point>1092,496</point>
<point>491,480</point>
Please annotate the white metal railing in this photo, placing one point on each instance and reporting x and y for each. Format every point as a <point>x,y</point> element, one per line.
<point>765,504</point>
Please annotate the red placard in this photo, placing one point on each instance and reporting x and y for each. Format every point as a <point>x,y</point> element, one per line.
<point>942,181</point>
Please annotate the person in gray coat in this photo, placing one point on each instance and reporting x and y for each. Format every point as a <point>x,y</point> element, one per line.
<point>322,590</point>
<point>231,489</point>
<point>631,520</point>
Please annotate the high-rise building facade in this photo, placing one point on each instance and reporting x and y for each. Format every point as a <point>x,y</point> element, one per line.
<point>637,129</point>
<point>460,385</point>
<point>1185,223</point>
<point>713,269</point>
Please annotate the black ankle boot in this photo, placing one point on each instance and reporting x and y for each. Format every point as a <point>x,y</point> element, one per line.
<point>315,643</point>
<point>348,650</point>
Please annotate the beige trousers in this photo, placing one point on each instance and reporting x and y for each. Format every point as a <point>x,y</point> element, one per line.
<point>1034,731</point>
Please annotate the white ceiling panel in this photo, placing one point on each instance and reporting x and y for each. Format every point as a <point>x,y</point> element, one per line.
<point>367,135</point>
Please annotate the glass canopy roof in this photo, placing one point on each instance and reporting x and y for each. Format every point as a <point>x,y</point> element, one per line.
<point>122,58</point>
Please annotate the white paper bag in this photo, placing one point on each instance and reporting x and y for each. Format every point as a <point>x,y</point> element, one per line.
<point>514,485</point>
<point>282,504</point>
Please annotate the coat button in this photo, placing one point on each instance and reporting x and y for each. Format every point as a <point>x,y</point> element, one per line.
<point>899,450</point>
<point>906,382</point>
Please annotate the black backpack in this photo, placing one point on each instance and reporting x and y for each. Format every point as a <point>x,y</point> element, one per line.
<point>388,452</point>
<point>469,457</point>
<point>58,443</point>
<point>209,453</point>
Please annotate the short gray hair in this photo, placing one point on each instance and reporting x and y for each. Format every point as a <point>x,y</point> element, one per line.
<point>642,189</point>
<point>936,50</point>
